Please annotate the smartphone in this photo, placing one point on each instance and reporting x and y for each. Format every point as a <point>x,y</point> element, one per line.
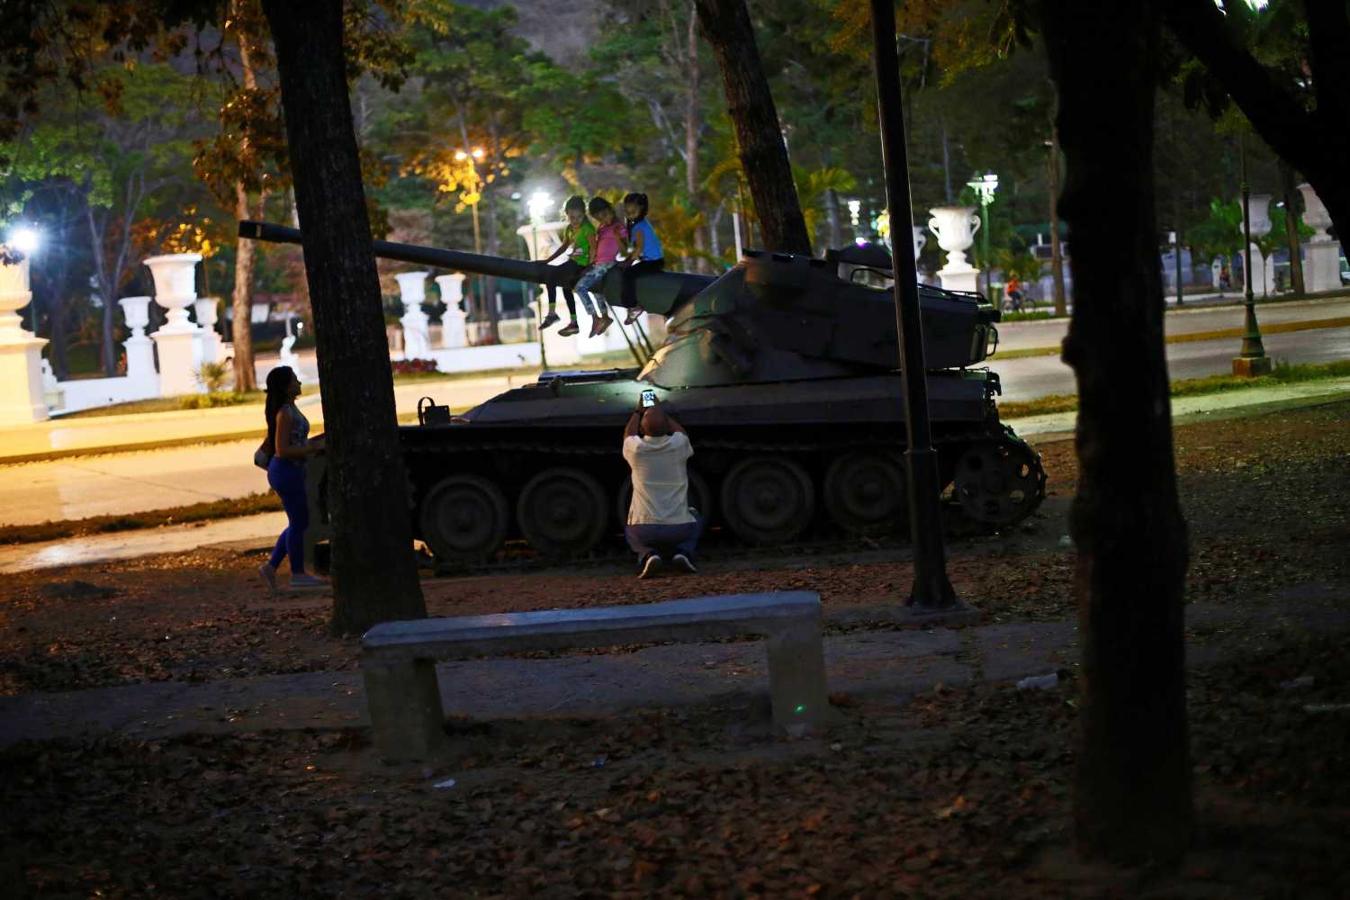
<point>648,398</point>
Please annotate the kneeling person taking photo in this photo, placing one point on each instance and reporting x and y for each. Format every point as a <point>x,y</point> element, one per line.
<point>662,529</point>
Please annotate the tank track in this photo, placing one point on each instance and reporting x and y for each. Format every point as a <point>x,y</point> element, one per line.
<point>975,501</point>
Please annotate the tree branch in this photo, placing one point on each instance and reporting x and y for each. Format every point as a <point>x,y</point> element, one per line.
<point>1275,112</point>
<point>1329,60</point>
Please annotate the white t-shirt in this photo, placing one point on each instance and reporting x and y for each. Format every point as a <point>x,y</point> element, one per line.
<point>660,479</point>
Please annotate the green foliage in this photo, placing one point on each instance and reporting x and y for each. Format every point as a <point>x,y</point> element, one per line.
<point>213,376</point>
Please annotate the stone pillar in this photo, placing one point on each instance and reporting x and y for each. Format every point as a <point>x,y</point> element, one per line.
<point>955,227</point>
<point>1321,254</point>
<point>920,240</point>
<point>178,341</point>
<point>205,309</point>
<point>542,238</point>
<point>21,400</point>
<point>140,349</point>
<point>412,287</point>
<point>1215,271</point>
<point>453,322</point>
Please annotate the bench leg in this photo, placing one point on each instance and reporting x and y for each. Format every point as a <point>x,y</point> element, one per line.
<point>797,680</point>
<point>405,709</point>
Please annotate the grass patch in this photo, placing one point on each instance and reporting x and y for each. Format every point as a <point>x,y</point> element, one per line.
<point>197,512</point>
<point>1284,373</point>
<point>1032,315</point>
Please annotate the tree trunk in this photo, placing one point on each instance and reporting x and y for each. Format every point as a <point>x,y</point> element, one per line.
<point>764,158</point>
<point>1291,229</point>
<point>1056,248</point>
<point>374,571</point>
<point>1132,798</point>
<point>245,378</point>
<point>692,126</point>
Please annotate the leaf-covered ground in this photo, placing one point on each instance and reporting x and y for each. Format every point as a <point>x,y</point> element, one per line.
<point>959,793</point>
<point>1267,499</point>
<point>948,793</point>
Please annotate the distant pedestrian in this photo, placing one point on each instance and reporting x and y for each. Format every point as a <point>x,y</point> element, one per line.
<point>661,526</point>
<point>1225,279</point>
<point>1013,289</point>
<point>287,448</point>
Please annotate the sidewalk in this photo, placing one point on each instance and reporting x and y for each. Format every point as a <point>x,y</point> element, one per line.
<point>142,431</point>
<point>889,665</point>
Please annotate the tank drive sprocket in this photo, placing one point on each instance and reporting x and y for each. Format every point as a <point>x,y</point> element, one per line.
<point>1000,481</point>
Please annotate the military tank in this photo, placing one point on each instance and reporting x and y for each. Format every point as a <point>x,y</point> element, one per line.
<point>784,371</point>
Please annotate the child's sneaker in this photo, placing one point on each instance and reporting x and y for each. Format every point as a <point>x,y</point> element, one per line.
<point>569,329</point>
<point>549,319</point>
<point>634,313</point>
<point>605,322</point>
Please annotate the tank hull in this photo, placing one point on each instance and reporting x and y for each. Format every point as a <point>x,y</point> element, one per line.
<point>772,462</point>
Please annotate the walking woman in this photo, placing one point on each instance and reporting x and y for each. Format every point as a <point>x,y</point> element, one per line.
<point>288,443</point>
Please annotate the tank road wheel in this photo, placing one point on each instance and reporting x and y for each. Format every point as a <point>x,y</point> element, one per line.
<point>999,484</point>
<point>464,519</point>
<point>767,499</point>
<point>865,492</point>
<point>700,498</point>
<point>562,512</point>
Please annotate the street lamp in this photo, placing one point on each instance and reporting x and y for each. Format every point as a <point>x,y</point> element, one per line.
<point>538,206</point>
<point>1251,359</point>
<point>854,210</point>
<point>26,240</point>
<point>985,186</point>
<point>472,158</point>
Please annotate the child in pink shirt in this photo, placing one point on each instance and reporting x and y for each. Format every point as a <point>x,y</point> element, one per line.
<point>610,239</point>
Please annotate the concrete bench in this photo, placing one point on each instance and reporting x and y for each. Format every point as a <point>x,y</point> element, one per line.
<point>398,659</point>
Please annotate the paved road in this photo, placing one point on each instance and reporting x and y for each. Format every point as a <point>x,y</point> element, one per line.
<point>1049,332</point>
<point>1038,376</point>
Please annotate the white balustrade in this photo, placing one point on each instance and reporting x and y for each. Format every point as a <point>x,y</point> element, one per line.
<point>412,288</point>
<point>453,333</point>
<point>140,349</point>
<point>21,390</point>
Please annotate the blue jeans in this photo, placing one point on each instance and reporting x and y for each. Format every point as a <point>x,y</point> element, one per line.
<point>287,478</point>
<point>665,540</point>
<point>586,285</point>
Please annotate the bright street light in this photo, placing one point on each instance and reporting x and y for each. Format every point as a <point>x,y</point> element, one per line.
<point>985,186</point>
<point>539,205</point>
<point>24,239</point>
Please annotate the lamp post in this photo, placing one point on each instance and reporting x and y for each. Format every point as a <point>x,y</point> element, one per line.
<point>471,159</point>
<point>985,186</point>
<point>932,590</point>
<point>538,207</point>
<point>1251,359</point>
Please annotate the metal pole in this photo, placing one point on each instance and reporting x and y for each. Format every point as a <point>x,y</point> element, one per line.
<point>932,589</point>
<point>1252,348</point>
<point>988,263</point>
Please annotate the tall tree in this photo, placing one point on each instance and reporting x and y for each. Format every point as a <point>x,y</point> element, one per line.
<point>1132,787</point>
<point>764,157</point>
<point>1305,119</point>
<point>374,571</point>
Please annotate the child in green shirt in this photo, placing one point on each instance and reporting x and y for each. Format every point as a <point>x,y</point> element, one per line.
<point>579,239</point>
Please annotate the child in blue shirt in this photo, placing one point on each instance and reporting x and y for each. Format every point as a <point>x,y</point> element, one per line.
<point>644,252</point>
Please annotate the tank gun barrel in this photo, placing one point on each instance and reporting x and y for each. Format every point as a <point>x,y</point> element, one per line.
<point>454,260</point>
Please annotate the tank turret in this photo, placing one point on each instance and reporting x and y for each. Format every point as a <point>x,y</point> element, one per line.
<point>784,371</point>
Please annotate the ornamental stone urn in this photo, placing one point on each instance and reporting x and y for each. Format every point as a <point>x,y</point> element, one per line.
<point>412,287</point>
<point>955,227</point>
<point>178,339</point>
<point>1259,209</point>
<point>1322,254</point>
<point>14,296</point>
<point>175,276</point>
